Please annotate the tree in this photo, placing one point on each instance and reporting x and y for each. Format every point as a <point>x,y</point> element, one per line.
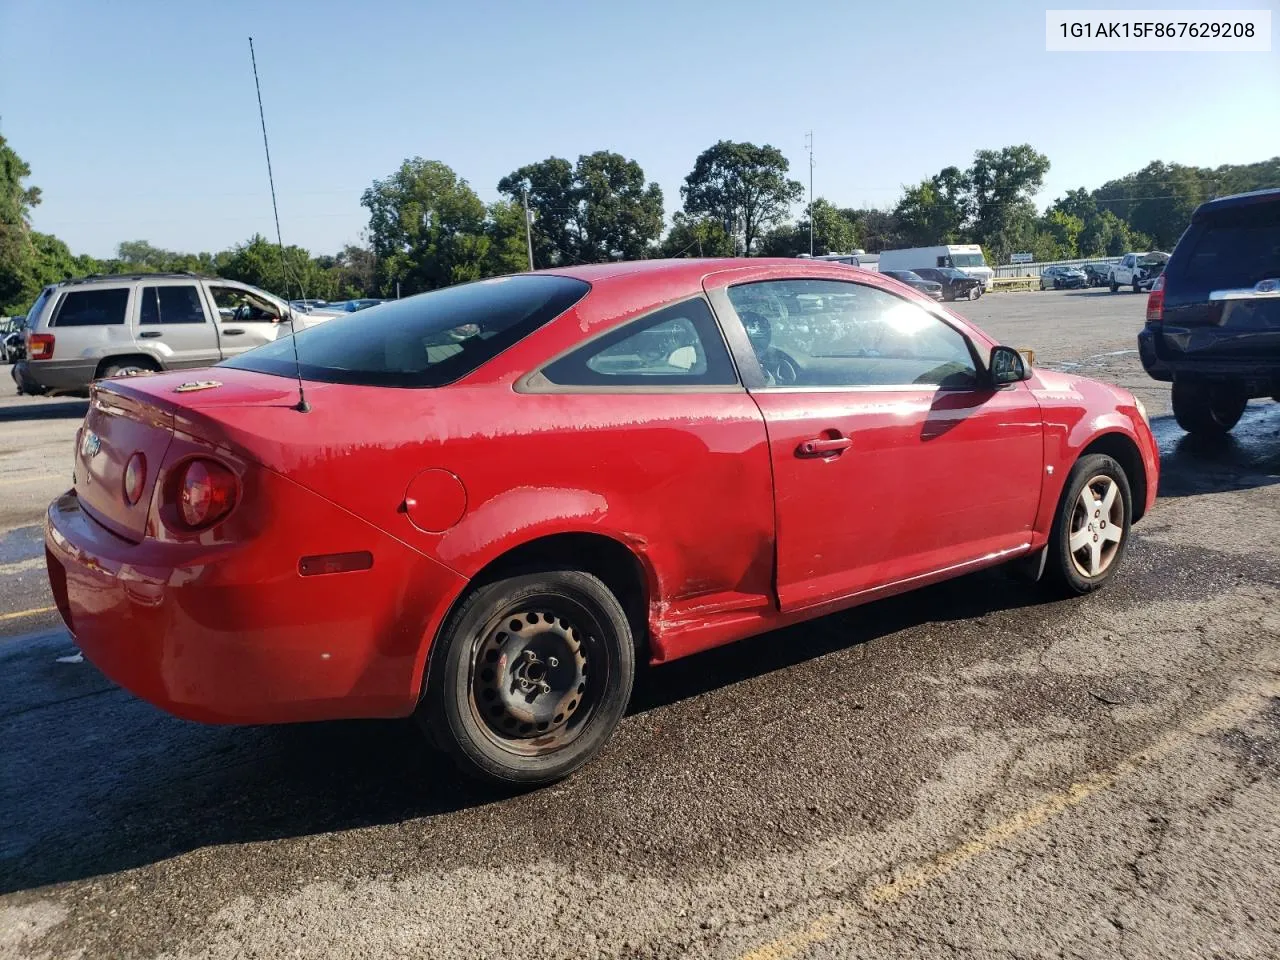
<point>696,236</point>
<point>16,251</point>
<point>876,229</point>
<point>833,232</point>
<point>551,195</point>
<point>743,186</point>
<point>1002,184</point>
<point>936,210</point>
<point>1077,203</point>
<point>598,210</point>
<point>427,227</point>
<point>507,252</point>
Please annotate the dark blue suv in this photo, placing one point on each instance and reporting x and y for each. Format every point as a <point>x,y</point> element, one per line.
<point>1213,317</point>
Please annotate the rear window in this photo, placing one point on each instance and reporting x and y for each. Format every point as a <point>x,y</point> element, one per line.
<point>424,341</point>
<point>1237,248</point>
<point>92,308</point>
<point>33,315</point>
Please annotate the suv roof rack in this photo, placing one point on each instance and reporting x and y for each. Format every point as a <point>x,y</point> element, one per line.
<point>160,275</point>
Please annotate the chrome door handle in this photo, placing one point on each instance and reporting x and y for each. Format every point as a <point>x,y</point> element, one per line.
<point>822,446</point>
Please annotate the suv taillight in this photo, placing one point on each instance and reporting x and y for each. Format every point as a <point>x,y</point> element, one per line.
<point>207,493</point>
<point>1155,301</point>
<point>39,346</point>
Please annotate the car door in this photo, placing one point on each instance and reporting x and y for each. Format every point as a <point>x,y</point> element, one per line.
<point>892,456</point>
<point>173,325</point>
<point>246,317</point>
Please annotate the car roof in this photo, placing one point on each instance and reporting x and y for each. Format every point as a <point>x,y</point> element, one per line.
<point>1235,201</point>
<point>691,270</point>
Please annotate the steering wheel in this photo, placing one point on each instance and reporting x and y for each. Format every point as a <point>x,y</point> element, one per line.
<point>780,368</point>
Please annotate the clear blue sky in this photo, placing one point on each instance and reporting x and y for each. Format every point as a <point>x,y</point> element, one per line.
<point>139,119</point>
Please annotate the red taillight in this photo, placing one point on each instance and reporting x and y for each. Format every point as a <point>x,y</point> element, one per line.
<point>208,493</point>
<point>40,346</point>
<point>135,478</point>
<point>1155,301</point>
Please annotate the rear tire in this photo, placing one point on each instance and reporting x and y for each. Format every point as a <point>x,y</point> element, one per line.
<point>1091,528</point>
<point>127,368</point>
<point>530,676</point>
<point>1206,410</point>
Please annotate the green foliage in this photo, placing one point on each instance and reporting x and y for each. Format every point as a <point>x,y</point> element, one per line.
<point>427,227</point>
<point>17,251</point>
<point>936,210</point>
<point>834,231</point>
<point>696,236</point>
<point>599,210</point>
<point>742,186</point>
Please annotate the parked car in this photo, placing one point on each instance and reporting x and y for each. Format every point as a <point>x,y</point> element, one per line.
<point>930,288</point>
<point>1213,315</point>
<point>956,284</point>
<point>1063,278</point>
<point>11,339</point>
<point>857,258</point>
<point>1098,274</point>
<point>1138,270</point>
<point>108,326</point>
<point>308,305</point>
<point>967,257</point>
<point>503,494</point>
<point>351,306</point>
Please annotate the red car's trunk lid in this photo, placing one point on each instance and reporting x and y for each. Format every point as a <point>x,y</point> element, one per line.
<point>117,427</point>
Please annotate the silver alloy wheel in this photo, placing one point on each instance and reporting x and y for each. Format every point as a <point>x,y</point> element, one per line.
<point>1097,526</point>
<point>975,292</point>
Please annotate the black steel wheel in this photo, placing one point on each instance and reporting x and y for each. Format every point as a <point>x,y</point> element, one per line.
<point>530,676</point>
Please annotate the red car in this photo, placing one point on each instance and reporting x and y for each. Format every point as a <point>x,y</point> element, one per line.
<point>497,496</point>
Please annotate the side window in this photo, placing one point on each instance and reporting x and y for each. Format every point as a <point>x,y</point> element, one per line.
<point>92,308</point>
<point>942,262</point>
<point>242,306</point>
<point>170,305</point>
<point>677,346</point>
<point>828,333</point>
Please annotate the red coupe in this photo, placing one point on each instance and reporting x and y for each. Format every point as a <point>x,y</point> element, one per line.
<point>495,497</point>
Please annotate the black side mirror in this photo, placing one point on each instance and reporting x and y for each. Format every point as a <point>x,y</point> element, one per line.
<point>1007,366</point>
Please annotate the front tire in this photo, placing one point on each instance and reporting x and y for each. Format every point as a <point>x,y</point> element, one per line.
<point>1136,287</point>
<point>1091,528</point>
<point>1205,410</point>
<point>531,675</point>
<point>1115,287</point>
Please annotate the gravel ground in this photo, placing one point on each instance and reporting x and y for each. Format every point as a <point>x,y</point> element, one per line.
<point>965,771</point>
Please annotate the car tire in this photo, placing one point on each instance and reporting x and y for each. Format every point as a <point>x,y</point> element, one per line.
<point>1136,287</point>
<point>127,368</point>
<point>1205,410</point>
<point>975,292</point>
<point>1091,527</point>
<point>1057,284</point>
<point>555,634</point>
<point>1115,287</point>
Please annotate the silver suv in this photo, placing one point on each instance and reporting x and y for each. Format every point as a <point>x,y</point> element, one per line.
<point>107,326</point>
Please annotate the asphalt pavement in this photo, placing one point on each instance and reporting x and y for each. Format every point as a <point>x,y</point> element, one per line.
<point>964,771</point>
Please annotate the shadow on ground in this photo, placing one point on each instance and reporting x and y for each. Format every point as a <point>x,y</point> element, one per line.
<point>97,781</point>
<point>34,409</point>
<point>1247,457</point>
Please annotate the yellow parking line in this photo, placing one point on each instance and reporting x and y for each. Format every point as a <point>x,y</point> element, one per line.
<point>38,478</point>
<point>26,613</point>
<point>907,881</point>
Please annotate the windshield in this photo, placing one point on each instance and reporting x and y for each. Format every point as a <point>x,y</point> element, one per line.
<point>424,341</point>
<point>968,260</point>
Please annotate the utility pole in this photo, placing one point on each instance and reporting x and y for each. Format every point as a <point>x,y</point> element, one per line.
<point>808,142</point>
<point>528,225</point>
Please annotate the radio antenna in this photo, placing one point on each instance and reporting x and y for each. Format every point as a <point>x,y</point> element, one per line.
<point>301,406</point>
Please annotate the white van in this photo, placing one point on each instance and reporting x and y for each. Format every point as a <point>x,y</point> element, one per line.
<point>966,257</point>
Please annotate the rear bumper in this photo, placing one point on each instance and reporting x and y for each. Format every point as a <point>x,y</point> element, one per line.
<point>234,634</point>
<point>1259,376</point>
<point>62,375</point>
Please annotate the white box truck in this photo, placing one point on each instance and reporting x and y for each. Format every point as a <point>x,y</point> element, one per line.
<point>965,257</point>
